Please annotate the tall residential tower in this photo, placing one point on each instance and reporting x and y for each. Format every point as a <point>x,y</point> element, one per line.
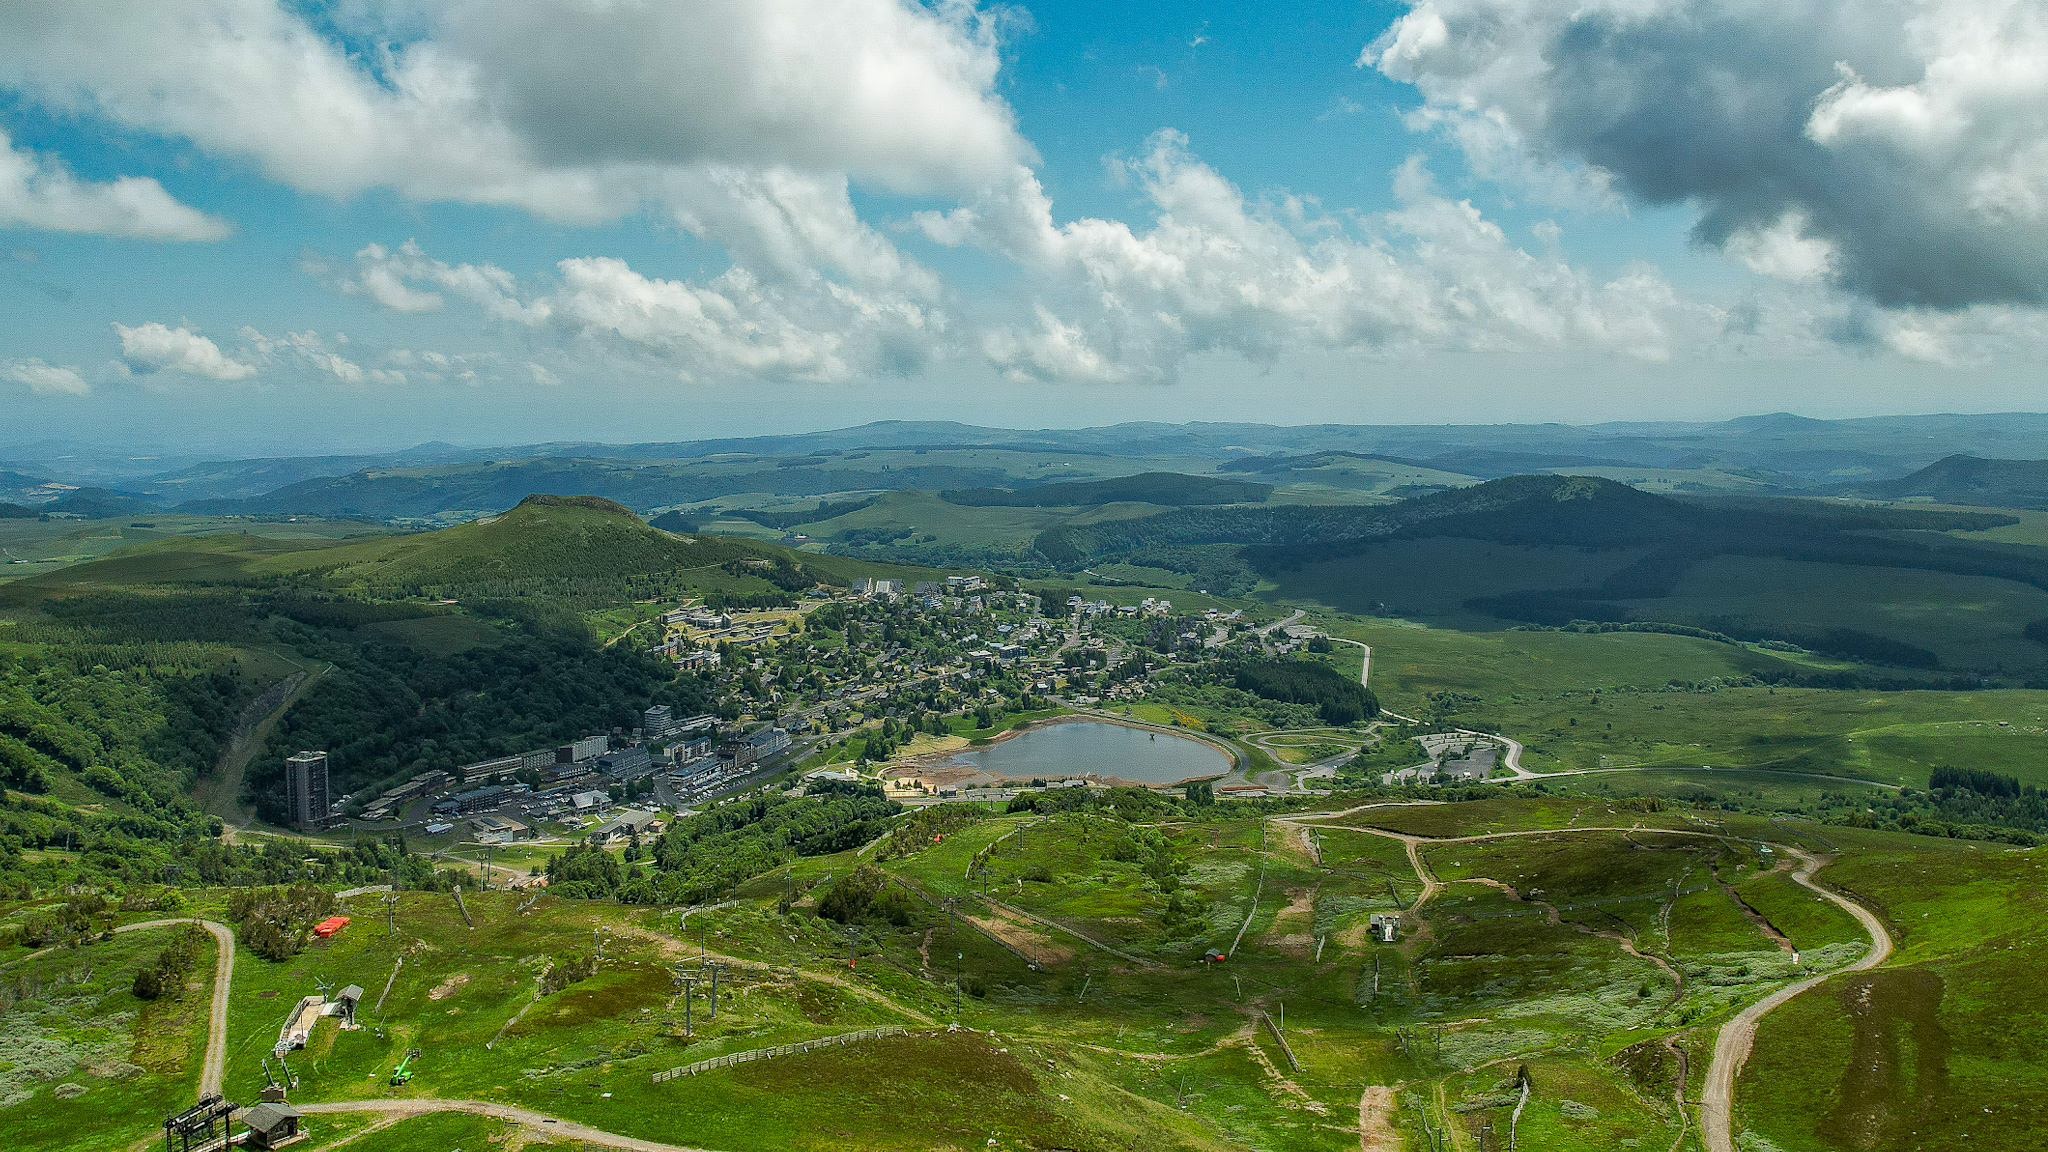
<point>305,790</point>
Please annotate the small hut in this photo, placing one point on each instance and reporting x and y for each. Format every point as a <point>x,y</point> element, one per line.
<point>272,1125</point>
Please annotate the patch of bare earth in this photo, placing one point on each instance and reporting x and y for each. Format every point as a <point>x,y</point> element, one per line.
<point>1020,935</point>
<point>1291,930</point>
<point>446,988</point>
<point>1376,1121</point>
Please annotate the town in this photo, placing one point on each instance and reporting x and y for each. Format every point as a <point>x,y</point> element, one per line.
<point>848,684</point>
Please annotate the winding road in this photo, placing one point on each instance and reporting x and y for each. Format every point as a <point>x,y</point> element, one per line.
<point>1732,1044</point>
<point>213,1070</point>
<point>1731,1048</point>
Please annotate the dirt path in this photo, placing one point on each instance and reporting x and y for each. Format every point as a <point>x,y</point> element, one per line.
<point>1672,1046</point>
<point>212,1071</point>
<point>1037,947</point>
<point>1731,1048</point>
<point>1056,926</point>
<point>1376,1121</point>
<point>539,1122</point>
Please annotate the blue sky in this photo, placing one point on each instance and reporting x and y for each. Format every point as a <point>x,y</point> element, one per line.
<point>231,225</point>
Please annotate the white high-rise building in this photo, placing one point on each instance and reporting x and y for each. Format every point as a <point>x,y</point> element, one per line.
<point>305,790</point>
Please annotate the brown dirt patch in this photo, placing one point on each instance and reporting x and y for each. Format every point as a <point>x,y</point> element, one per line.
<point>446,988</point>
<point>1021,934</point>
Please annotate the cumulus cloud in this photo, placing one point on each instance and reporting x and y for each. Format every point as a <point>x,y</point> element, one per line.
<point>579,112</point>
<point>314,351</point>
<point>154,347</point>
<point>1217,271</point>
<point>737,323</point>
<point>37,192</point>
<point>44,379</point>
<point>1897,148</point>
<point>433,367</point>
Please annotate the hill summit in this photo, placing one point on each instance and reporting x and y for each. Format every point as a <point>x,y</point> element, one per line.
<point>544,537</point>
<point>1963,479</point>
<point>594,503</point>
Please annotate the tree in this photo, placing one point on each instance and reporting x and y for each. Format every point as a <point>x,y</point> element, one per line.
<point>585,871</point>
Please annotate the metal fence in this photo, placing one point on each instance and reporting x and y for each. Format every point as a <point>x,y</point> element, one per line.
<point>799,1048</point>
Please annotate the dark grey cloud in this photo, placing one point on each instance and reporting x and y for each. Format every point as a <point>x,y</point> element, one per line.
<point>1899,147</point>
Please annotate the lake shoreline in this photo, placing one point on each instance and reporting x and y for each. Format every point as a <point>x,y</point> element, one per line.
<point>953,759</point>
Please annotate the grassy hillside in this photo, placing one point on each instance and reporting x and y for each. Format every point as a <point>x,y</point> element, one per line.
<point>421,651</point>
<point>582,547</point>
<point>542,537</point>
<point>1068,1008</point>
<point>1973,480</point>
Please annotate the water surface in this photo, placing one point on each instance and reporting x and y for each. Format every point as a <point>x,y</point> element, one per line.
<point>1092,747</point>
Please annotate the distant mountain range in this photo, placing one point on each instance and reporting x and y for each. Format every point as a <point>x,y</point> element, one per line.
<point>1974,458</point>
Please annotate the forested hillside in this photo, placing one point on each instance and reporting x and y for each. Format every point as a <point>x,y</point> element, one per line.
<point>1171,489</point>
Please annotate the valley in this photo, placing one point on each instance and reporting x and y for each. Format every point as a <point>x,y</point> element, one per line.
<point>1481,812</point>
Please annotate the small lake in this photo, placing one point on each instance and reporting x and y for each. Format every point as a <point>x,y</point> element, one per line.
<point>1091,747</point>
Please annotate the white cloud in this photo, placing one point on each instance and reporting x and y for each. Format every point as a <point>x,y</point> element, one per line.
<point>36,192</point>
<point>44,379</point>
<point>1218,272</point>
<point>1898,148</point>
<point>432,367</point>
<point>1053,351</point>
<point>155,347</point>
<point>389,278</point>
<point>543,375</point>
<point>314,351</point>
<point>579,112</point>
<point>736,323</point>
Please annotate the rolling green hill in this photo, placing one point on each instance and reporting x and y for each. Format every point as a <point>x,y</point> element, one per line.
<point>542,537</point>
<point>1172,489</point>
<point>582,546</point>
<point>1974,480</point>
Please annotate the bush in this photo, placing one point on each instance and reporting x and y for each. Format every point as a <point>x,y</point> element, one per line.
<point>848,899</point>
<point>274,922</point>
<point>167,975</point>
<point>563,972</point>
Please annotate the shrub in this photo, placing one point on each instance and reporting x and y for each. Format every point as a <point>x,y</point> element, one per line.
<point>563,972</point>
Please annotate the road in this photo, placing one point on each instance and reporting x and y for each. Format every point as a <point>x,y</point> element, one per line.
<point>538,1121</point>
<point>1365,666</point>
<point>213,1070</point>
<point>1731,1048</point>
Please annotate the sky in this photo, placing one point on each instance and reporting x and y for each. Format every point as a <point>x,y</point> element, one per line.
<point>271,227</point>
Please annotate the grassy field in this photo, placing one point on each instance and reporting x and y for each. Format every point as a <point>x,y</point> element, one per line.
<point>1088,1021</point>
<point>77,1047</point>
<point>46,545</point>
<point>1640,700</point>
<point>1938,1049</point>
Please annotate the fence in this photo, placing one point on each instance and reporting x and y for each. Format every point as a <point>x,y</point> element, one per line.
<point>799,1048</point>
<point>1286,1049</point>
<point>1012,949</point>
